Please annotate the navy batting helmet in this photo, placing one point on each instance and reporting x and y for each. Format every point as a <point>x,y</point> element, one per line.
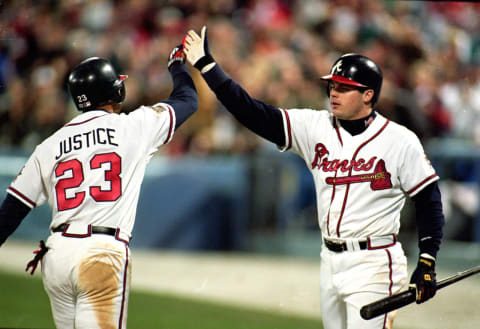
<point>94,83</point>
<point>356,70</point>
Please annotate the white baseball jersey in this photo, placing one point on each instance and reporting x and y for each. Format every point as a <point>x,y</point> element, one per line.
<point>90,171</point>
<point>361,185</point>
<point>361,181</point>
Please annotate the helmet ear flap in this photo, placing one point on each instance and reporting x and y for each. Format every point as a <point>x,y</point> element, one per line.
<point>118,92</point>
<point>121,93</point>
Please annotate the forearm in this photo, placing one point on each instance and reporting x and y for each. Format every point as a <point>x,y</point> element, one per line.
<point>12,212</point>
<point>430,219</point>
<point>263,119</point>
<point>183,98</point>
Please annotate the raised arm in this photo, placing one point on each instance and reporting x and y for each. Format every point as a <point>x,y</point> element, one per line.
<point>183,98</point>
<point>263,119</point>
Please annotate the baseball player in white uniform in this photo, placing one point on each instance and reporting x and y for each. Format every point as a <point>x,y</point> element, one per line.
<point>90,172</point>
<point>364,166</point>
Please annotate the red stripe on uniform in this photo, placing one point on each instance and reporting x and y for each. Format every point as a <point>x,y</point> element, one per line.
<point>421,183</point>
<point>120,320</point>
<point>331,201</point>
<point>390,268</point>
<point>350,173</point>
<point>33,204</point>
<point>81,123</point>
<point>289,130</point>
<point>170,129</point>
<point>72,235</point>
<point>343,210</point>
<point>345,81</point>
<point>338,131</point>
<point>333,191</point>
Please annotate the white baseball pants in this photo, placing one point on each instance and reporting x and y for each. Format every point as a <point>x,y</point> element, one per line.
<point>87,281</point>
<point>352,279</point>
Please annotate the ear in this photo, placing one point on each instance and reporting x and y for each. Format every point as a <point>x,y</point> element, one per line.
<point>368,95</point>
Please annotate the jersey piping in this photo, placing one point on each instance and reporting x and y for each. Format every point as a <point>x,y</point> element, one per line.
<point>82,122</point>
<point>424,182</point>
<point>288,131</point>
<point>350,173</point>
<point>390,277</point>
<point>170,129</point>
<point>124,288</point>
<point>21,197</point>
<point>338,131</point>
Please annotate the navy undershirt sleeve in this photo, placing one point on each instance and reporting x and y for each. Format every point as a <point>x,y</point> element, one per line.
<point>183,98</point>
<point>429,218</point>
<point>12,212</point>
<point>263,119</point>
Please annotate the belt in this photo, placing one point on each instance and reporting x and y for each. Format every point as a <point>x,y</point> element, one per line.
<point>91,230</point>
<point>370,243</point>
<point>342,246</point>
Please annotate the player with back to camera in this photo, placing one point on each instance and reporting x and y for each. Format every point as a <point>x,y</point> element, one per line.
<point>90,172</point>
<point>364,166</point>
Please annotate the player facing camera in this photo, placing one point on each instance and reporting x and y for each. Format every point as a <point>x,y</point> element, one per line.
<point>362,177</point>
<point>357,71</point>
<point>352,76</point>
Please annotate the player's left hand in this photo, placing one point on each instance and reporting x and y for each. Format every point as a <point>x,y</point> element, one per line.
<point>176,56</point>
<point>424,278</point>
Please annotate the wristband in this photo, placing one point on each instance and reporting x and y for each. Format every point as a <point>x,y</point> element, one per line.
<point>202,62</point>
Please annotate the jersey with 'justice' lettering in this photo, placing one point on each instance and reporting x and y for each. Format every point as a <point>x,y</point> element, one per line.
<point>90,170</point>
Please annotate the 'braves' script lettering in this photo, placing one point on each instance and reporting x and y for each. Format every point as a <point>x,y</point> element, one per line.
<point>321,162</point>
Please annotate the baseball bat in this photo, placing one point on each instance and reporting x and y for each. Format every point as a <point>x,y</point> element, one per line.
<point>404,298</point>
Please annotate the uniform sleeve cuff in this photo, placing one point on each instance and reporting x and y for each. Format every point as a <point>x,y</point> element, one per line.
<point>215,77</point>
<point>429,247</point>
<point>177,68</point>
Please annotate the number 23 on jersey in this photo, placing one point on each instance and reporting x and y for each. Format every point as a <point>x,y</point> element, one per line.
<point>77,176</point>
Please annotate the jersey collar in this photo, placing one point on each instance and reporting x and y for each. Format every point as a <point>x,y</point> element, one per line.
<point>87,116</point>
<point>371,130</point>
<point>357,127</point>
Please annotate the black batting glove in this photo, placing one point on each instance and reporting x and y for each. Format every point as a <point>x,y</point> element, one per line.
<point>176,56</point>
<point>424,278</point>
<point>196,49</point>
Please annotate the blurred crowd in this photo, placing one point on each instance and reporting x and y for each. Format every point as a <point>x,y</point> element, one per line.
<point>276,49</point>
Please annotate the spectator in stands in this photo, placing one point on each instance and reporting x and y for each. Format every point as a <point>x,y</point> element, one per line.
<point>429,52</point>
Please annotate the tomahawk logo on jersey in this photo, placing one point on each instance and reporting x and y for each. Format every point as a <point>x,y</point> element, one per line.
<point>363,166</point>
<point>367,179</point>
<point>379,179</point>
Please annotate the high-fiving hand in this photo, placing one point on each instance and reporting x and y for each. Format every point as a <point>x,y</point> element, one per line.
<point>196,49</point>
<point>176,56</point>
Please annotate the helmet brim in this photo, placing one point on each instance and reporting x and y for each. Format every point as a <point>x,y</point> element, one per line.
<point>340,79</point>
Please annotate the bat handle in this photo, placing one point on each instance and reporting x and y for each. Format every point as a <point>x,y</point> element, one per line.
<point>388,304</point>
<point>393,302</point>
